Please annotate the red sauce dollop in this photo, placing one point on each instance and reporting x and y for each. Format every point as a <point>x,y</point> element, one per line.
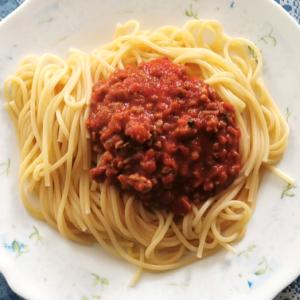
<point>163,135</point>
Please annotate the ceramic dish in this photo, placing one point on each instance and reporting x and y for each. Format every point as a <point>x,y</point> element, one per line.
<point>39,264</point>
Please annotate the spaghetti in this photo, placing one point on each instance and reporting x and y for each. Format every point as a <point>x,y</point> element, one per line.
<point>48,100</point>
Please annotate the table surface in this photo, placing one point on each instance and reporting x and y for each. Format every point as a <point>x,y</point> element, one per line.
<point>292,292</point>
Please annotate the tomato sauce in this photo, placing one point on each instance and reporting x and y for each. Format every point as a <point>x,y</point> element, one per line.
<point>163,135</point>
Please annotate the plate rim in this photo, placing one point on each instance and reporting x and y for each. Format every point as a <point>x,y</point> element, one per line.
<point>24,290</point>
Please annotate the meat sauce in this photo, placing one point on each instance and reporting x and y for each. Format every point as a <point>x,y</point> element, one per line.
<point>163,135</point>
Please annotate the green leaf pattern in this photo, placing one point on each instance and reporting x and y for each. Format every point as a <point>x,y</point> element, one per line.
<point>35,235</point>
<point>5,167</point>
<point>289,191</point>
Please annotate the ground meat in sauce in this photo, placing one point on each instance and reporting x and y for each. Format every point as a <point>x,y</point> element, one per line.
<point>163,135</point>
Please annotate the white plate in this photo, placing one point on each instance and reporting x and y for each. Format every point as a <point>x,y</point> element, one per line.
<point>53,268</point>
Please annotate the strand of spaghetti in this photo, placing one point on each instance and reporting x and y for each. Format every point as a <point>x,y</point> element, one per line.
<point>114,197</point>
<point>138,274</point>
<point>169,257</point>
<point>202,210</point>
<point>216,208</point>
<point>280,174</point>
<point>61,222</point>
<point>129,222</point>
<point>158,236</point>
<point>182,238</point>
<point>187,227</point>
